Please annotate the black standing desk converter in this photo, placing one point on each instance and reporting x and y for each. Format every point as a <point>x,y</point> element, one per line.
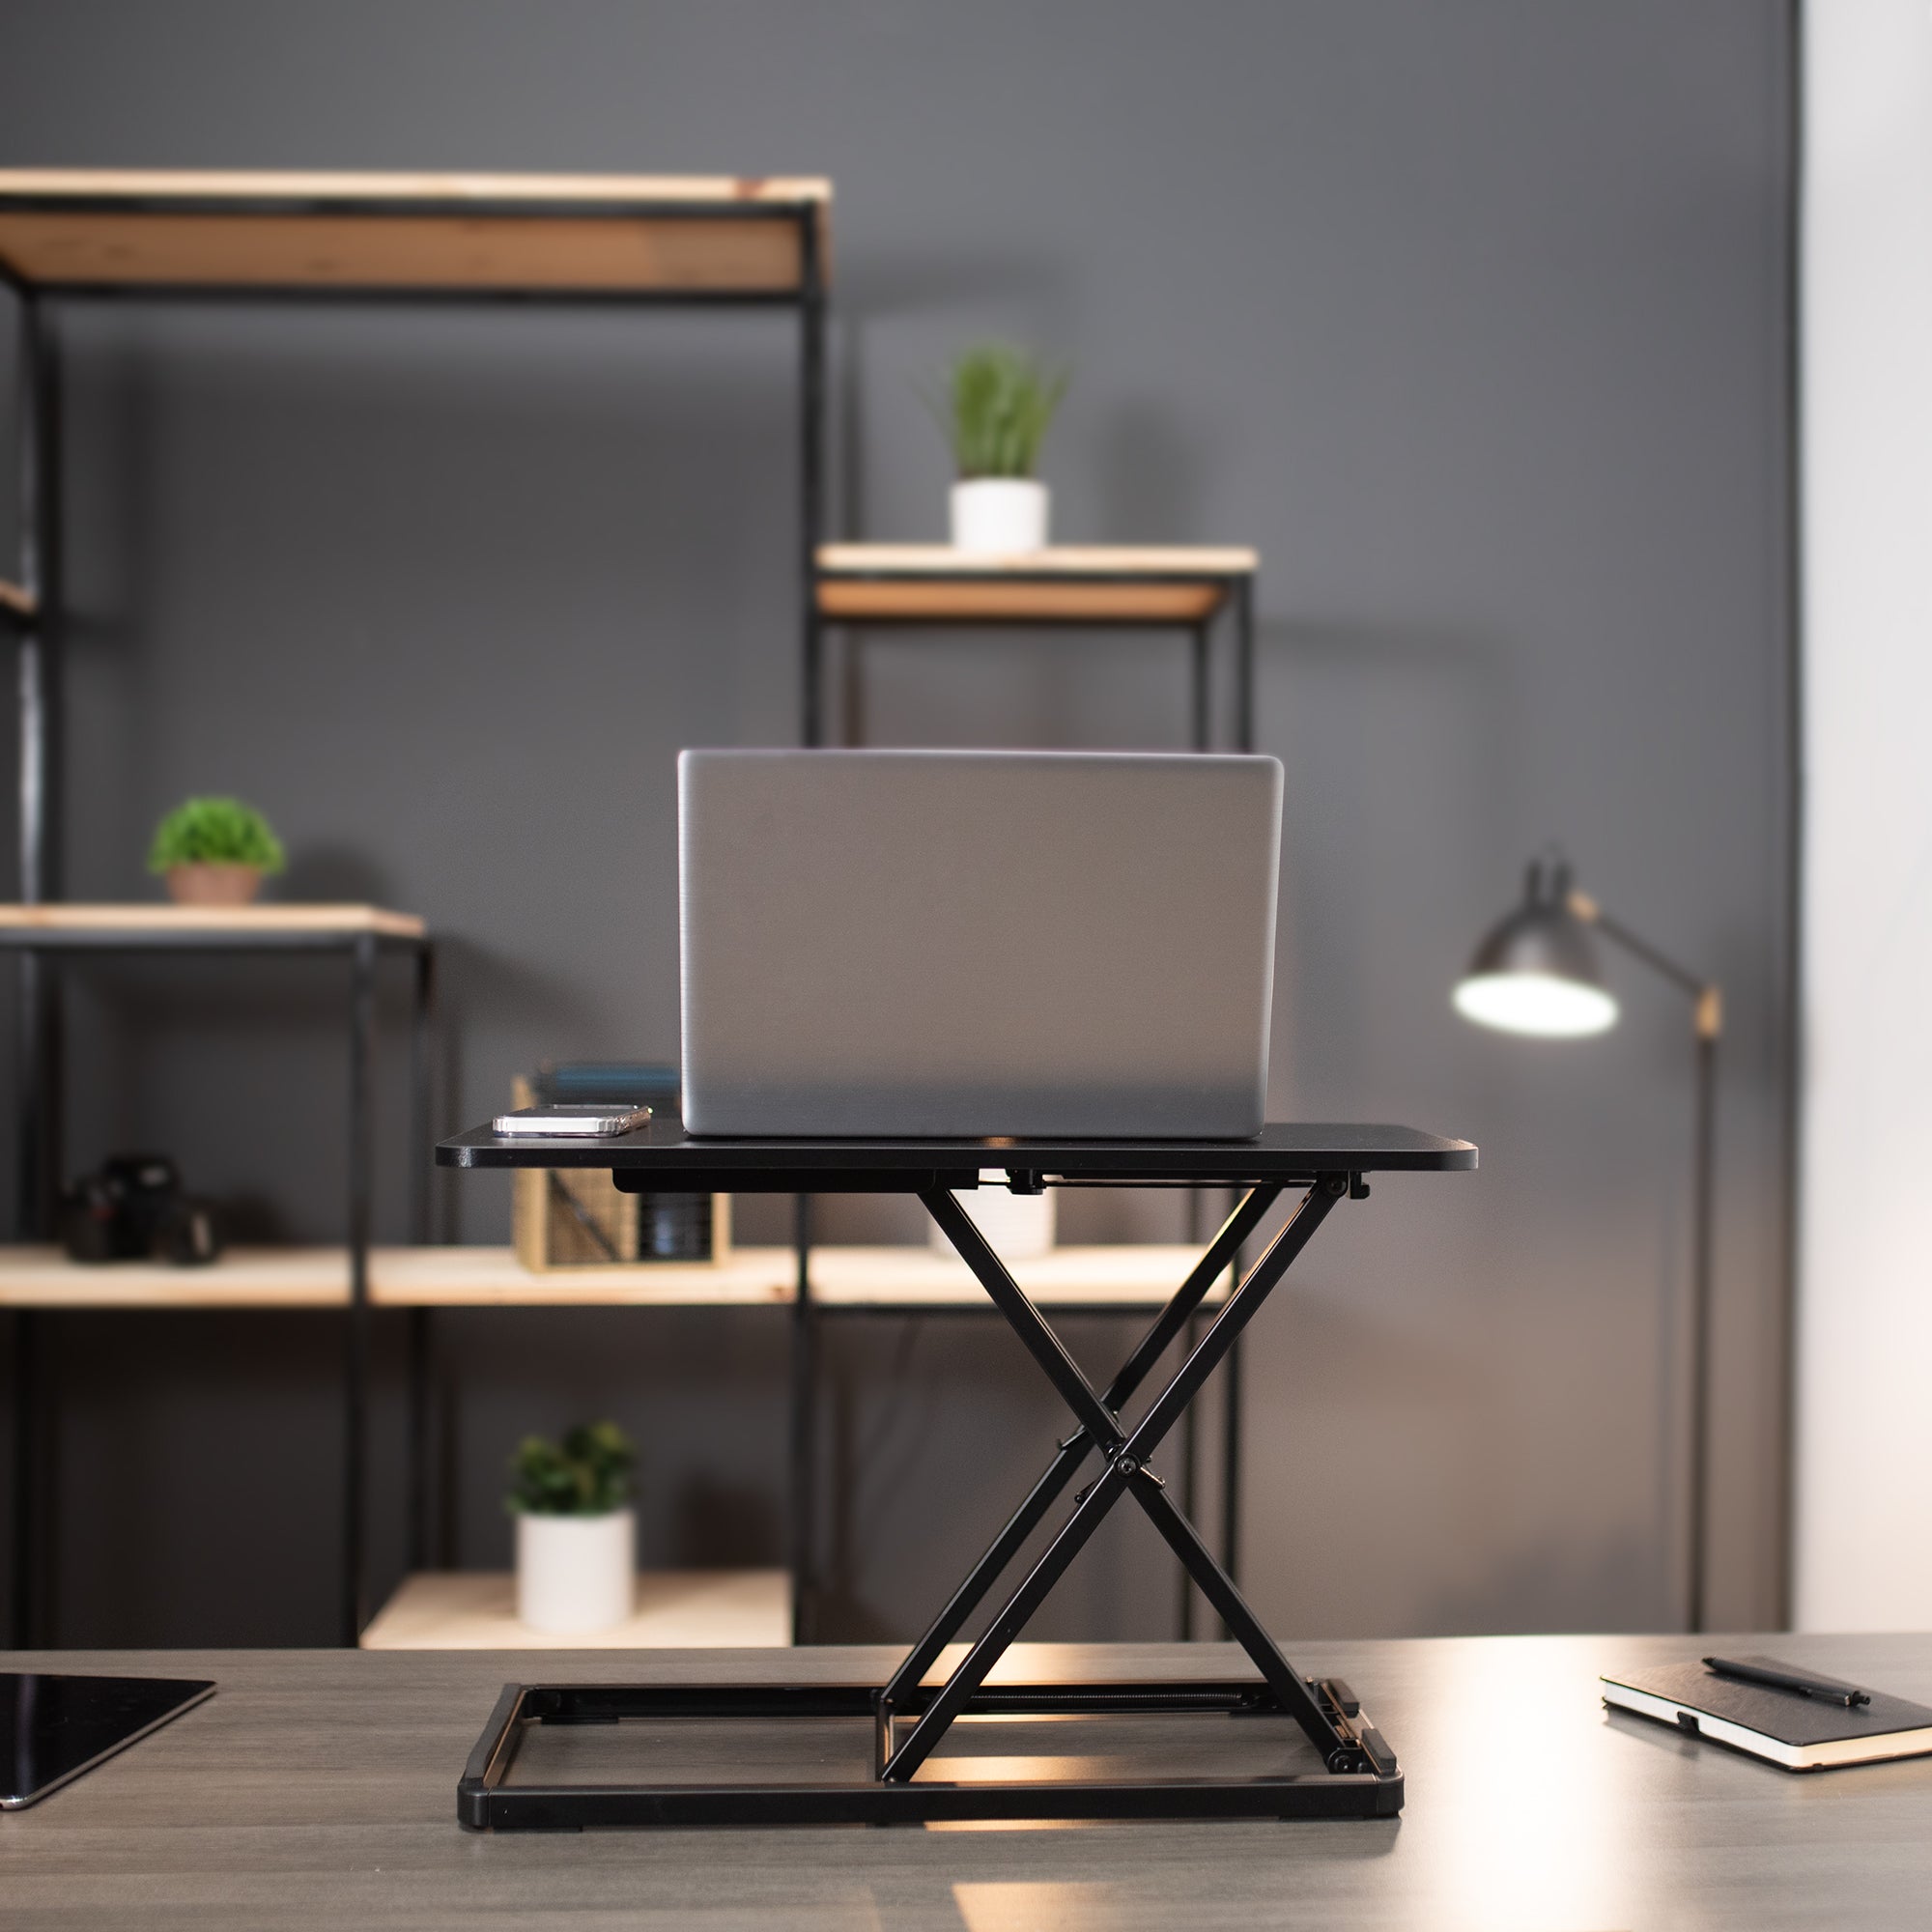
<point>906,1718</point>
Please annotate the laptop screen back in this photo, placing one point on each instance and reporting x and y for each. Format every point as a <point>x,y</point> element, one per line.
<point>976,943</point>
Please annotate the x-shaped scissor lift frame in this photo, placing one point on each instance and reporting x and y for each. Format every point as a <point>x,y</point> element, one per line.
<point>1361,1777</point>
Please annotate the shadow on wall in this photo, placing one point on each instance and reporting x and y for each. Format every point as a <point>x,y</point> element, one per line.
<point>335,875</point>
<point>1151,473</point>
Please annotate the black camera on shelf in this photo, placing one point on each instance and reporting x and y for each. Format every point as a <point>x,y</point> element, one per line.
<point>131,1208</point>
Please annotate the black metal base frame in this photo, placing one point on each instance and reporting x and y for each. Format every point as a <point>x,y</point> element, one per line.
<point>909,1716</point>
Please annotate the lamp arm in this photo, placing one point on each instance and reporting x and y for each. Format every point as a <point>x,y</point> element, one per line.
<point>1706,993</point>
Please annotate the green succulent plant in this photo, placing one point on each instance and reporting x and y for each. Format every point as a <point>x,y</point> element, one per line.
<point>214,832</point>
<point>995,409</point>
<point>588,1473</point>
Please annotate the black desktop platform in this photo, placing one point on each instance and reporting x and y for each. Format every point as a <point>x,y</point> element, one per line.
<point>908,1717</point>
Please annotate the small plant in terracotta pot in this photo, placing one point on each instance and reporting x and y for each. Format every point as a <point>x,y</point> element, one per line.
<point>214,852</point>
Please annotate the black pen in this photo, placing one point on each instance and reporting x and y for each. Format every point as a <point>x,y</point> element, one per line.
<point>1823,1689</point>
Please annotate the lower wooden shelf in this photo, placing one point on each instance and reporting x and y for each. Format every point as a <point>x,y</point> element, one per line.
<point>1130,1276</point>
<point>468,1277</point>
<point>43,1277</point>
<point>677,1609</point>
<point>1137,1276</point>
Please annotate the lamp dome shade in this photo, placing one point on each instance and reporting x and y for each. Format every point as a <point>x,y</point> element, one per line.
<point>1537,972</point>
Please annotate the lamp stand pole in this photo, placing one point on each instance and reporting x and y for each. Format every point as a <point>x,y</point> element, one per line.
<point>1709,1020</point>
<point>1709,1023</point>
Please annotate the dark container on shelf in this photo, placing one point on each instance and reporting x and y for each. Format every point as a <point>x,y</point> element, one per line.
<point>576,1218</point>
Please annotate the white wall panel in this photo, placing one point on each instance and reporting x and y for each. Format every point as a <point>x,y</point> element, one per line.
<point>1863,1548</point>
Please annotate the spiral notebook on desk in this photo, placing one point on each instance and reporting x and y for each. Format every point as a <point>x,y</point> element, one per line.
<point>1787,1726</point>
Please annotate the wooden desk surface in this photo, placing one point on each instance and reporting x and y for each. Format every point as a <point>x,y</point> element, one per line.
<point>319,1788</point>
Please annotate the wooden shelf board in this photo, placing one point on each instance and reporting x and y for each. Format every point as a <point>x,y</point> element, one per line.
<point>988,601</point>
<point>676,1609</point>
<point>276,187</point>
<point>868,559</point>
<point>1134,1275</point>
<point>427,1277</point>
<point>526,234</point>
<point>136,919</point>
<point>43,1277</point>
<point>477,1277</point>
<point>1078,583</point>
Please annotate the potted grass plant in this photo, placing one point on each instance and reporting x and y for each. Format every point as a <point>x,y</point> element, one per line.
<point>214,852</point>
<point>995,410</point>
<point>577,1534</point>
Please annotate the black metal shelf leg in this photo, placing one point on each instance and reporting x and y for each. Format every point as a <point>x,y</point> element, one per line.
<point>421,1341</point>
<point>420,1346</point>
<point>22,1632</point>
<point>804,1436</point>
<point>811,469</point>
<point>357,1351</point>
<point>1200,694</point>
<point>1242,595</point>
<point>420,1164</point>
<point>39,674</point>
<point>37,1015</point>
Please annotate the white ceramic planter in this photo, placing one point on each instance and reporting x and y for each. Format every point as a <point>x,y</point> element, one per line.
<point>575,1574</point>
<point>999,516</point>
<point>1018,1226</point>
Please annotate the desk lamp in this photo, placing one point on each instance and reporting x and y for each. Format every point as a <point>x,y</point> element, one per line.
<point>1537,973</point>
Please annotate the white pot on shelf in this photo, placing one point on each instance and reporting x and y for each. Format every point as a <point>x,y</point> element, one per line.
<point>575,1574</point>
<point>1018,1226</point>
<point>999,516</point>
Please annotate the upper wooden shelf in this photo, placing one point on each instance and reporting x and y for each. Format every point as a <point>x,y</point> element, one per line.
<point>559,235</point>
<point>241,927</point>
<point>1091,583</point>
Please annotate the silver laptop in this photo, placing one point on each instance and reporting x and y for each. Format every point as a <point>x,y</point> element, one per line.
<point>888,943</point>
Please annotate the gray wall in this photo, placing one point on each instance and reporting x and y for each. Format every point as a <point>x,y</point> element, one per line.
<point>1471,317</point>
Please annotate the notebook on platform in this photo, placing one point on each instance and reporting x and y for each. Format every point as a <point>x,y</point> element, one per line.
<point>887,943</point>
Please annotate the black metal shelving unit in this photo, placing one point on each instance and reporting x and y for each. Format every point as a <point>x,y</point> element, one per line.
<point>77,236</point>
<point>362,935</point>
<point>1188,590</point>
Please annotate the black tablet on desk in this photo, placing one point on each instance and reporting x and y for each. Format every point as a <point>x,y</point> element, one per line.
<point>53,1727</point>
